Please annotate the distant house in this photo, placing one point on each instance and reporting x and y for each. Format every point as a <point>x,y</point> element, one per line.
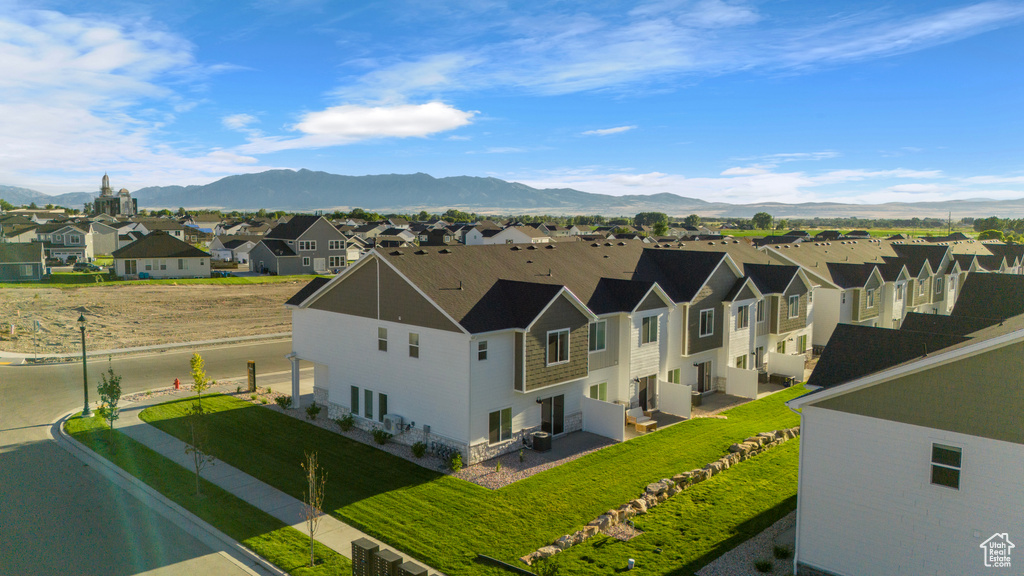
<point>21,262</point>
<point>510,235</point>
<point>160,255</point>
<point>303,245</point>
<point>233,248</point>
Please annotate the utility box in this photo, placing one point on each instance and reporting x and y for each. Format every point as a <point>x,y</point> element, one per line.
<point>252,375</point>
<point>412,569</point>
<point>541,441</point>
<point>386,563</point>
<point>363,553</point>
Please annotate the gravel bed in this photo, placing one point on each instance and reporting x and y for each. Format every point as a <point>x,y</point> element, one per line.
<point>740,560</point>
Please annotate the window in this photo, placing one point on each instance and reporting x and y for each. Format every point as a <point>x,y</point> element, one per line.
<point>26,270</point>
<point>742,317</point>
<point>871,298</point>
<point>382,406</point>
<point>558,346</point>
<point>794,306</point>
<point>810,297</point>
<point>307,244</point>
<point>382,339</point>
<point>899,292</point>
<point>163,264</point>
<point>481,350</point>
<point>920,286</point>
<point>760,311</point>
<point>597,335</point>
<point>414,345</point>
<point>707,322</point>
<point>354,400</point>
<point>842,299</point>
<point>801,344</point>
<point>305,260</point>
<point>599,391</point>
<point>648,329</point>
<point>741,362</point>
<point>946,466</point>
<point>673,376</point>
<point>781,347</point>
<point>938,285</point>
<point>368,403</point>
<point>182,264</point>
<point>335,244</point>
<point>499,426</point>
<point>335,261</point>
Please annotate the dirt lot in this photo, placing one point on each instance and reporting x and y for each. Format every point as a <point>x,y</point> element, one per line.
<point>138,315</point>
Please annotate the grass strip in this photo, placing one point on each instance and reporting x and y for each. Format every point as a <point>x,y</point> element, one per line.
<point>93,279</point>
<point>282,545</point>
<point>445,521</point>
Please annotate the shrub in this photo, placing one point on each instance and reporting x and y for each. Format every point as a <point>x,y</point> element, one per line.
<point>497,467</point>
<point>521,457</point>
<point>380,436</point>
<point>263,400</point>
<point>238,389</point>
<point>285,402</point>
<point>419,449</point>
<point>312,410</point>
<point>252,397</point>
<point>455,464</point>
<point>764,566</point>
<point>346,422</point>
<point>782,552</point>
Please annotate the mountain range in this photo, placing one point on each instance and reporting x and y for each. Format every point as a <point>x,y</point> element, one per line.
<point>306,190</point>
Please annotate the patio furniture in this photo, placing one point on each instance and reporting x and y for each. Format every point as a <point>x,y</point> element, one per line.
<point>634,415</point>
<point>648,426</point>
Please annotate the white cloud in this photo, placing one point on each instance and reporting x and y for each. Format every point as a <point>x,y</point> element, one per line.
<point>607,131</point>
<point>350,123</point>
<point>239,121</point>
<point>744,171</point>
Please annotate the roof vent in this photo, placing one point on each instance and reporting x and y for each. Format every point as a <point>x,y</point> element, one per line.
<point>711,243</point>
<point>622,243</point>
<point>421,252</point>
<point>396,253</point>
<point>605,255</point>
<point>549,247</point>
<point>595,244</point>
<point>531,247</point>
<point>735,241</point>
<point>607,243</point>
<point>529,261</point>
<point>445,251</point>
<point>516,248</point>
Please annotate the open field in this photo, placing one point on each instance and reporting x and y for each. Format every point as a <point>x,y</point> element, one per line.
<point>446,522</point>
<point>123,315</point>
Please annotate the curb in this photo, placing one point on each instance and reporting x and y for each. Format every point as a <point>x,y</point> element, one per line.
<point>187,521</point>
<point>22,358</point>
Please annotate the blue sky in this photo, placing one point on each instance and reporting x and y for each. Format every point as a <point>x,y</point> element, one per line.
<point>790,101</point>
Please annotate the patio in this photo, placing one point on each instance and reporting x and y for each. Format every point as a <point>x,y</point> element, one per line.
<point>663,420</point>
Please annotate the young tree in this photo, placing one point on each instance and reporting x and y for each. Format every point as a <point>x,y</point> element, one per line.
<point>660,228</point>
<point>991,235</point>
<point>5,205</point>
<point>316,479</point>
<point>195,423</point>
<point>692,220</point>
<point>762,221</point>
<point>201,382</point>
<point>110,394</point>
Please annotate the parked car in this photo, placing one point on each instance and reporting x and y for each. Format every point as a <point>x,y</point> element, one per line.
<point>85,267</point>
<point>54,262</point>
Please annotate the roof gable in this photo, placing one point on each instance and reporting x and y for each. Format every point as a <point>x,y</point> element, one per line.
<point>159,244</point>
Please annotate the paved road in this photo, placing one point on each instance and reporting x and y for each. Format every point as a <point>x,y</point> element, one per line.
<point>58,516</point>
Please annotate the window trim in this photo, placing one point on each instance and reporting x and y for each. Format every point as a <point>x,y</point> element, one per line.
<point>741,361</point>
<point>946,466</point>
<point>547,347</point>
<point>601,327</point>
<point>801,344</point>
<point>794,299</point>
<point>869,297</point>
<point>602,394</point>
<point>335,244</point>
<point>382,339</point>
<point>503,427</point>
<point>710,312</point>
<point>649,330</point>
<point>335,261</point>
<point>743,317</point>
<point>353,400</point>
<point>367,403</point>
<point>481,351</point>
<point>414,348</point>
<point>760,306</point>
<point>306,261</point>
<point>307,245</point>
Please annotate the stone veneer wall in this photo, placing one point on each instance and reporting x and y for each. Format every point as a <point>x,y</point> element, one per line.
<point>484,451</point>
<point>658,492</point>
<point>406,438</point>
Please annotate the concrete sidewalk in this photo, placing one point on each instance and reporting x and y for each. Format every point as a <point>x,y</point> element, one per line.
<point>18,358</point>
<point>331,533</point>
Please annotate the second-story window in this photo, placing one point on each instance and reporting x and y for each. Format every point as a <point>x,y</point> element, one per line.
<point>760,310</point>
<point>481,350</point>
<point>414,345</point>
<point>334,244</point>
<point>558,347</point>
<point>382,339</point>
<point>794,306</point>
<point>307,244</point>
<point>938,285</point>
<point>871,298</point>
<point>743,316</point>
<point>649,329</point>
<point>597,335</point>
<point>707,322</point>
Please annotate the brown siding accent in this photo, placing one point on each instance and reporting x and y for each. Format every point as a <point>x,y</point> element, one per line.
<point>610,355</point>
<point>400,302</point>
<point>710,296</point>
<point>356,294</point>
<point>979,396</point>
<point>561,314</point>
<point>787,324</point>
<point>745,294</point>
<point>773,317</point>
<point>518,368</point>
<point>918,298</point>
<point>652,302</point>
<point>860,301</point>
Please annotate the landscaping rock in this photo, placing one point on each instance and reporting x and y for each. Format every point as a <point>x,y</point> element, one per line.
<point>735,448</point>
<point>639,505</point>
<point>681,478</point>
<point>603,522</point>
<point>530,558</point>
<point>547,552</point>
<point>673,490</point>
<point>590,531</point>
<point>563,543</point>
<point>655,488</point>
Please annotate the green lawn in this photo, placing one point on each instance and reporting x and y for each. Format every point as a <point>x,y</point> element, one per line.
<point>87,279</point>
<point>282,545</point>
<point>445,521</point>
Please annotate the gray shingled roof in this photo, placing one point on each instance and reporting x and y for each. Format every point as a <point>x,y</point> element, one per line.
<point>293,228</point>
<point>159,244</point>
<point>19,253</point>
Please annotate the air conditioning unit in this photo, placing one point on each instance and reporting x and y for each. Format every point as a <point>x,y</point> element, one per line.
<point>393,423</point>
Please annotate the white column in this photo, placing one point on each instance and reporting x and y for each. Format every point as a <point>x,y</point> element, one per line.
<point>296,396</point>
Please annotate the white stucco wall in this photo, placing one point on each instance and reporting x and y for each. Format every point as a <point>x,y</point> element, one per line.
<point>432,389</point>
<point>867,505</point>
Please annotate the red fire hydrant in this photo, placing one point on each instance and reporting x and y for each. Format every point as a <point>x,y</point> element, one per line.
<point>177,384</point>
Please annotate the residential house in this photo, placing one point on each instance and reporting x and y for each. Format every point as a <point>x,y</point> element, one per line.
<point>510,235</point>
<point>21,262</point>
<point>510,339</point>
<point>303,245</point>
<point>167,225</point>
<point>911,446</point>
<point>161,255</point>
<point>437,237</point>
<point>67,241</point>
<point>233,248</point>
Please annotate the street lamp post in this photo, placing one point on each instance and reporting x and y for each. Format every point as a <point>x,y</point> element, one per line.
<point>85,373</point>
